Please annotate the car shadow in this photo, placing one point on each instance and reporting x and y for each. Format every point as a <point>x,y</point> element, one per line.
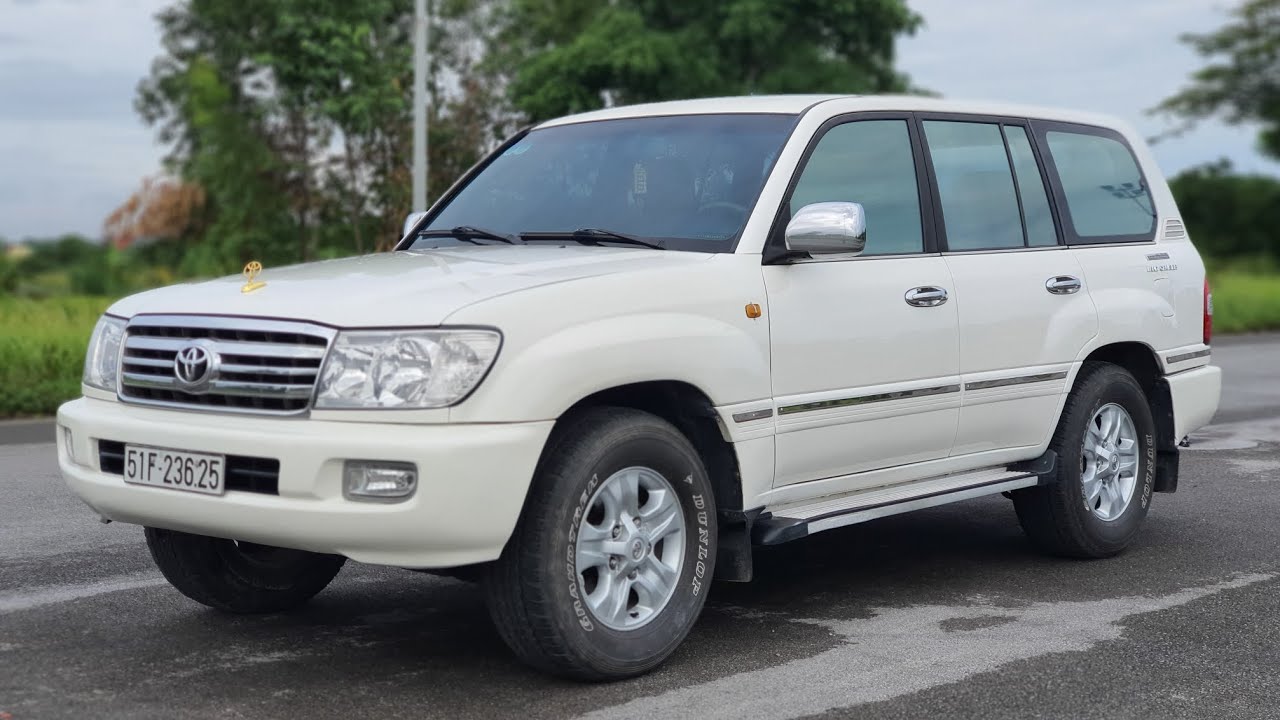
<point>413,640</point>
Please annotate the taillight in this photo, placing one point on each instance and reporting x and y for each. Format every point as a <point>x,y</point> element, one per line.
<point>1208,312</point>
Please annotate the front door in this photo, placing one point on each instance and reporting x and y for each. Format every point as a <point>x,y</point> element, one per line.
<point>864,349</point>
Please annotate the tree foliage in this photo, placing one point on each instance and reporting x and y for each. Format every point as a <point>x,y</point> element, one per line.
<point>1242,80</point>
<point>1228,215</point>
<point>163,208</point>
<point>293,117</point>
<point>574,55</point>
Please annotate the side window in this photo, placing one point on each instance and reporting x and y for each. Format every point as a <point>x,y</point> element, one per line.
<point>1106,196</point>
<point>975,185</point>
<point>868,162</point>
<point>1035,201</point>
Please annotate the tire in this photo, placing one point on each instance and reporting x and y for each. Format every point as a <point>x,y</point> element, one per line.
<point>240,577</point>
<point>543,594</point>
<point>1057,517</point>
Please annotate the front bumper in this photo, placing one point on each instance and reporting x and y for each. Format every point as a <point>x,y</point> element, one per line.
<point>472,481</point>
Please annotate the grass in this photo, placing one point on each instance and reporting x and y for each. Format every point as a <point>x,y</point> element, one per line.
<point>1245,301</point>
<point>42,344</point>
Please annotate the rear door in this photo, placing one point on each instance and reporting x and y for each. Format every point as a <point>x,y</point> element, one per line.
<point>1146,292</point>
<point>1024,312</point>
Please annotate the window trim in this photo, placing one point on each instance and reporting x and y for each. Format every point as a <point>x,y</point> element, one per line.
<point>1040,131</point>
<point>775,249</point>
<point>1000,121</point>
<point>1017,189</point>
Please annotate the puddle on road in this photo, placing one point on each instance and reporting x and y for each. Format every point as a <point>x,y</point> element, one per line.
<point>905,650</point>
<point>1236,436</point>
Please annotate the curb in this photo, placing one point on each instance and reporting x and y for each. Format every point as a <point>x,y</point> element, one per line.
<point>26,432</point>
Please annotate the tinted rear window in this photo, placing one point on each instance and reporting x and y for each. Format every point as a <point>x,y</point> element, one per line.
<point>1106,196</point>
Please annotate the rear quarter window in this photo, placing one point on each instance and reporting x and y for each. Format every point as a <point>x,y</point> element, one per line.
<point>1099,182</point>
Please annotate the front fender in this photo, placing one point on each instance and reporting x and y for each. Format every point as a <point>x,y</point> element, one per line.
<point>540,376</point>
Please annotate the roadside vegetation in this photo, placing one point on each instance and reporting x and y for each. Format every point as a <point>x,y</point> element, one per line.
<point>1245,300</point>
<point>42,349</point>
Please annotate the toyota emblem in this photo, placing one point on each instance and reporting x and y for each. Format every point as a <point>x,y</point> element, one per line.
<point>194,366</point>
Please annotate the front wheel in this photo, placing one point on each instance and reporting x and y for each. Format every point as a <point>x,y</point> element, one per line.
<point>1105,443</point>
<point>240,577</point>
<point>611,561</point>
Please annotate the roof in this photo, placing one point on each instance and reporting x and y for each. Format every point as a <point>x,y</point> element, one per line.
<point>779,104</point>
<point>796,104</point>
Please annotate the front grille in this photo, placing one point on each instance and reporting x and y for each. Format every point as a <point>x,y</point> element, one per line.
<point>259,366</point>
<point>244,473</point>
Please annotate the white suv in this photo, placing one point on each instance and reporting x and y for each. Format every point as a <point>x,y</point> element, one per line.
<point>632,344</point>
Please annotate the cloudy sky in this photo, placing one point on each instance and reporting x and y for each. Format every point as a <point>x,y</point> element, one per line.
<point>72,148</point>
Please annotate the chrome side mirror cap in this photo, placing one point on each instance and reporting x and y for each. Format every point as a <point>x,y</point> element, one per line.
<point>410,220</point>
<point>828,228</point>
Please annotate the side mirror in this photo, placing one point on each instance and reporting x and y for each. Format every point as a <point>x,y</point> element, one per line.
<point>410,220</point>
<point>828,228</point>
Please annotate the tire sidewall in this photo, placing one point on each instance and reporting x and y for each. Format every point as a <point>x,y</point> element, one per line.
<point>665,451</point>
<point>1119,388</point>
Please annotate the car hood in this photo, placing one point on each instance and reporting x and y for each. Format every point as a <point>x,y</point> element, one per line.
<point>419,287</point>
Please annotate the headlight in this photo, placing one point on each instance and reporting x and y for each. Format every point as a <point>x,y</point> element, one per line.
<point>405,368</point>
<point>102,361</point>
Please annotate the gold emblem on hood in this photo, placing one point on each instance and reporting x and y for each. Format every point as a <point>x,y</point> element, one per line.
<point>251,271</point>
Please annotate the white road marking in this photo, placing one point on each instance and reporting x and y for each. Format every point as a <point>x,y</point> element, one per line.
<point>50,594</point>
<point>906,650</point>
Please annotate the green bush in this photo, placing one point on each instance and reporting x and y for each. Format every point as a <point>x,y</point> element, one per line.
<point>42,344</point>
<point>1229,215</point>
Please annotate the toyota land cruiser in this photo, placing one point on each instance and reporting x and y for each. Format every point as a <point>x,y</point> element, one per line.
<point>632,344</point>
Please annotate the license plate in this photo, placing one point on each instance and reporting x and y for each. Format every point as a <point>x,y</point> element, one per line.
<point>175,469</point>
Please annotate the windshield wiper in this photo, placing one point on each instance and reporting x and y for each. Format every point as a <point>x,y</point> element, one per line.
<point>590,236</point>
<point>468,233</point>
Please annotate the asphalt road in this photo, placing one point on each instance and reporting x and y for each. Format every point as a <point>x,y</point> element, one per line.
<point>941,613</point>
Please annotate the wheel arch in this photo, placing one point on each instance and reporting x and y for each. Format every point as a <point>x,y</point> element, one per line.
<point>1143,363</point>
<point>691,411</point>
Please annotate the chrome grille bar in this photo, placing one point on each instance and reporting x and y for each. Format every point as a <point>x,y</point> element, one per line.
<point>298,352</point>
<point>256,366</point>
<point>225,387</point>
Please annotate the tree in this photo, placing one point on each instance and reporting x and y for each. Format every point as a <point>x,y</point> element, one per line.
<point>293,118</point>
<point>574,55</point>
<point>1227,214</point>
<point>164,208</point>
<point>1242,80</point>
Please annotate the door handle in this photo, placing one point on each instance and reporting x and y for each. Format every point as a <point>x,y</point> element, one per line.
<point>1062,284</point>
<point>927,296</point>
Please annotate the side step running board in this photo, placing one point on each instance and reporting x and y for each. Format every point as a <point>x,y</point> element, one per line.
<point>796,521</point>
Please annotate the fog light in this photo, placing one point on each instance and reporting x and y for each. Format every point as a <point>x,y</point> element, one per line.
<point>376,480</point>
<point>68,443</point>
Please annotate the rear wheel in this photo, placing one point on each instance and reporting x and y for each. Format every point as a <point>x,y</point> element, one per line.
<point>611,561</point>
<point>1105,443</point>
<point>240,577</point>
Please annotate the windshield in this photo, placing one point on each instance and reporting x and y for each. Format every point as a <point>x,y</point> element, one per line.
<point>686,182</point>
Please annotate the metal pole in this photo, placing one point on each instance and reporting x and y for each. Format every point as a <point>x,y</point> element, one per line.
<point>420,27</point>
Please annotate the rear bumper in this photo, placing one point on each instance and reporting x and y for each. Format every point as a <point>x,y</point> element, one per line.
<point>471,487</point>
<point>1195,394</point>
